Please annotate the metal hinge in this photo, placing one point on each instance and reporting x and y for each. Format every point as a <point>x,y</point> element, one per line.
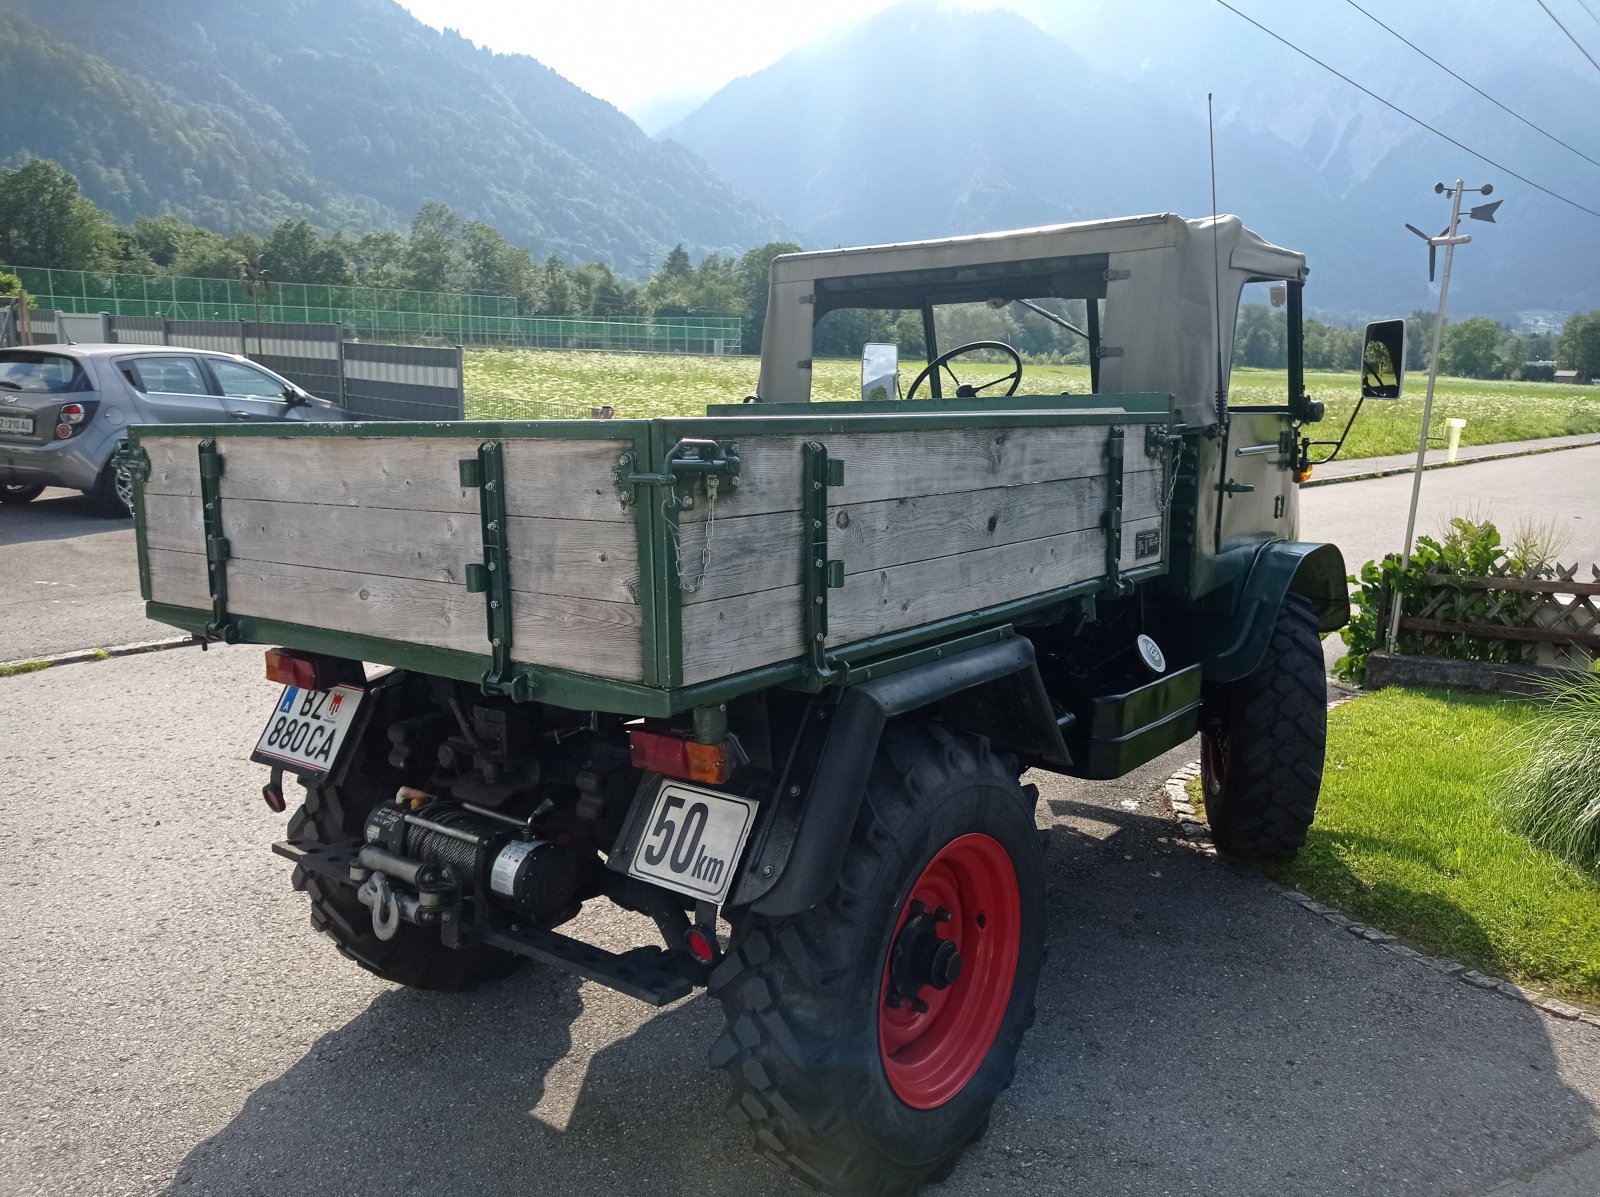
<point>691,460</point>
<point>132,460</point>
<point>819,575</point>
<point>492,576</point>
<point>1108,351</point>
<point>1114,276</point>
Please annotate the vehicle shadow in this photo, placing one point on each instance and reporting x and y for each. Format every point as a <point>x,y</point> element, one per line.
<point>54,515</point>
<point>1196,1034</point>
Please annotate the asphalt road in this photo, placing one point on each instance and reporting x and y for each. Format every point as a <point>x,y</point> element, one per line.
<point>171,1024</point>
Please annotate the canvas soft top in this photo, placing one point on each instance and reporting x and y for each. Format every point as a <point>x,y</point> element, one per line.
<point>1168,284</point>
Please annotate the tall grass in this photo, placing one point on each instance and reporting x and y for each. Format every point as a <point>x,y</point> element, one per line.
<point>1553,796</point>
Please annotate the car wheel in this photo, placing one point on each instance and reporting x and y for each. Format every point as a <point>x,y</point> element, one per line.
<point>18,493</point>
<point>112,495</point>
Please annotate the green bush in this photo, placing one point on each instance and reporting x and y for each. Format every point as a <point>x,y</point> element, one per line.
<point>1469,548</point>
<point>1553,796</point>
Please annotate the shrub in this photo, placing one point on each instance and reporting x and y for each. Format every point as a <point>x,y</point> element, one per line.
<point>1553,796</point>
<point>1468,548</point>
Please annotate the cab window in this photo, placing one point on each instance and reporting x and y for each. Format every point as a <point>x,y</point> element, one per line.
<point>165,375</point>
<point>239,381</point>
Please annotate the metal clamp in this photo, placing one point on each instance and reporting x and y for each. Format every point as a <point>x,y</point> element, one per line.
<point>220,625</point>
<point>819,575</point>
<point>492,577</point>
<point>1112,521</point>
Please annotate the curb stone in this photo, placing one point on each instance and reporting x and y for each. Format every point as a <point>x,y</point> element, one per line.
<point>82,655</point>
<point>1393,471</point>
<point>1198,837</point>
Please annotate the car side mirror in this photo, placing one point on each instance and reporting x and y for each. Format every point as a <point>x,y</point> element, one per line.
<point>880,371</point>
<point>293,396</point>
<point>1383,359</point>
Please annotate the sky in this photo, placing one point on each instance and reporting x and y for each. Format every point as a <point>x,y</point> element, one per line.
<point>631,52</point>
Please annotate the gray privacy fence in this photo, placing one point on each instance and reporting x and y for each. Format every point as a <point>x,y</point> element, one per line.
<point>374,381</point>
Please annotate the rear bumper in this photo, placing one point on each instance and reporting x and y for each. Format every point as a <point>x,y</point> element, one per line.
<point>73,463</point>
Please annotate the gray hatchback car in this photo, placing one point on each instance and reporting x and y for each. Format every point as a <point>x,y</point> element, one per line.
<point>64,408</point>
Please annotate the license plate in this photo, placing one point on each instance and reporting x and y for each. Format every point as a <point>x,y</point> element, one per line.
<point>693,840</point>
<point>23,424</point>
<point>307,728</point>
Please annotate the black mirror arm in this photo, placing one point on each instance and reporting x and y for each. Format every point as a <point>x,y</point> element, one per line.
<point>1337,445</point>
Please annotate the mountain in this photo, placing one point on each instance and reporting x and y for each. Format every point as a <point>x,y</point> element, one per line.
<point>350,113</point>
<point>926,120</point>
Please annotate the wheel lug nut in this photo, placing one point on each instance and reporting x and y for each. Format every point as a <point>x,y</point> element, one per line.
<point>942,915</point>
<point>919,1006</point>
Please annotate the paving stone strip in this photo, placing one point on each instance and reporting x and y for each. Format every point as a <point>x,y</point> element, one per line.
<point>1198,836</point>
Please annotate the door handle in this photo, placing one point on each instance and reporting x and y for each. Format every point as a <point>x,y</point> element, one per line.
<point>240,415</point>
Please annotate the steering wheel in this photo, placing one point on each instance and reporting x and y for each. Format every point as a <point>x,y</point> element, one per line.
<point>966,390</point>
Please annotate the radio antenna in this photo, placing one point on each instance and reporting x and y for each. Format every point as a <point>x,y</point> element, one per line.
<point>1216,268</point>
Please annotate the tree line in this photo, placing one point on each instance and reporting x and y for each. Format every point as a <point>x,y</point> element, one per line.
<point>45,220</point>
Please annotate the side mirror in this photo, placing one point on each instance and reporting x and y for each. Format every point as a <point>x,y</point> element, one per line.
<point>293,396</point>
<point>880,371</point>
<point>1383,359</point>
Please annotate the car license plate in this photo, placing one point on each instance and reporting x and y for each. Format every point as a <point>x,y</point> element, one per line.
<point>307,728</point>
<point>693,840</point>
<point>22,424</point>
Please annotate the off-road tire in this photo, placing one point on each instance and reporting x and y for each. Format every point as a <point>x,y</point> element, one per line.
<point>18,493</point>
<point>415,957</point>
<point>802,997</point>
<point>1262,744</point>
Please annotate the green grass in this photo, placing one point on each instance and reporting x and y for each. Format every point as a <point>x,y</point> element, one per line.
<point>1409,839</point>
<point>528,384</point>
<point>16,667</point>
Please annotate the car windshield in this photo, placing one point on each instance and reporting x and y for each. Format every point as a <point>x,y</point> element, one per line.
<point>47,372</point>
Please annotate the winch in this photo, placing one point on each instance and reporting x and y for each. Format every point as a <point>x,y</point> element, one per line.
<point>455,852</point>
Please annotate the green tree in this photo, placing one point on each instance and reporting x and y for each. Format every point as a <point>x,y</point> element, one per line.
<point>379,259</point>
<point>1259,337</point>
<point>1579,346</point>
<point>46,221</point>
<point>677,264</point>
<point>496,267</point>
<point>1471,348</point>
<point>296,254</point>
<point>1419,338</point>
<point>558,298</point>
<point>433,251</point>
<point>751,277</point>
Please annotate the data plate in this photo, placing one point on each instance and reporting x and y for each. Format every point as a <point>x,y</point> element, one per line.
<point>693,840</point>
<point>22,424</point>
<point>307,728</point>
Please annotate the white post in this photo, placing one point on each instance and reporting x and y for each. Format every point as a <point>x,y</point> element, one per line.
<point>1449,241</point>
<point>1455,425</point>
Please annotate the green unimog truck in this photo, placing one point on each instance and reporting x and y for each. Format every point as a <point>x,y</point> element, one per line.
<point>773,675</point>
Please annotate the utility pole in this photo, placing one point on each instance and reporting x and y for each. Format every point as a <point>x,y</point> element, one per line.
<point>1449,239</point>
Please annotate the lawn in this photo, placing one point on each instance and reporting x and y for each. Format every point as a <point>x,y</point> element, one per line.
<point>1407,839</point>
<point>529,383</point>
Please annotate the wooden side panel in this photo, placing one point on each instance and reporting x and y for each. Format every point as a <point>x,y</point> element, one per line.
<point>746,631</point>
<point>760,552</point>
<point>371,535</point>
<point>566,478</point>
<point>893,465</point>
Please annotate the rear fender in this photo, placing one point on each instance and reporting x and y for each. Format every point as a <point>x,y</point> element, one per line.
<point>994,690</point>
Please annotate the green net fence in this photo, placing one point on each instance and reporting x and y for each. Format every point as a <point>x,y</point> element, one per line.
<point>372,313</point>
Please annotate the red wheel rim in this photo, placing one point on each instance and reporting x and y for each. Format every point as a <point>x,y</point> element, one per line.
<point>930,1055</point>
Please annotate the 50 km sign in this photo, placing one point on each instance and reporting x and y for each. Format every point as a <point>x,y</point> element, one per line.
<point>692,840</point>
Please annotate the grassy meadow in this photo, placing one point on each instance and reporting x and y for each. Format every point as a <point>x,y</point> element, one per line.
<point>546,384</point>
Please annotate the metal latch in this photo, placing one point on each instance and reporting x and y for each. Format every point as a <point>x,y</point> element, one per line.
<point>1230,487</point>
<point>692,460</point>
<point>492,576</point>
<point>819,575</point>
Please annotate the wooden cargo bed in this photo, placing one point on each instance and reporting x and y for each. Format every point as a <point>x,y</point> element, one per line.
<point>622,578</point>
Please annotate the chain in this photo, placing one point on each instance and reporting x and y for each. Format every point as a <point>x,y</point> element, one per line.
<point>676,533</point>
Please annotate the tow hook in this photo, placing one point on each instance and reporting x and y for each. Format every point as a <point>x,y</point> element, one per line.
<point>376,894</point>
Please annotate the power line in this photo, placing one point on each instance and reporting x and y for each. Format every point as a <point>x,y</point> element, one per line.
<point>1473,86</point>
<point>1416,120</point>
<point>1568,32</point>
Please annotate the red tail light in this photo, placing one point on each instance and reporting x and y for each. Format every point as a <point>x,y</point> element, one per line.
<point>310,671</point>
<point>674,754</point>
<point>73,413</point>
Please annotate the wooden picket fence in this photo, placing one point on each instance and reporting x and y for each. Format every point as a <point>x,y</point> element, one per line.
<point>1549,620</point>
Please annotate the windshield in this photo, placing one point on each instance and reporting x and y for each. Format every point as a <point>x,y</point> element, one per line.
<point>49,373</point>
